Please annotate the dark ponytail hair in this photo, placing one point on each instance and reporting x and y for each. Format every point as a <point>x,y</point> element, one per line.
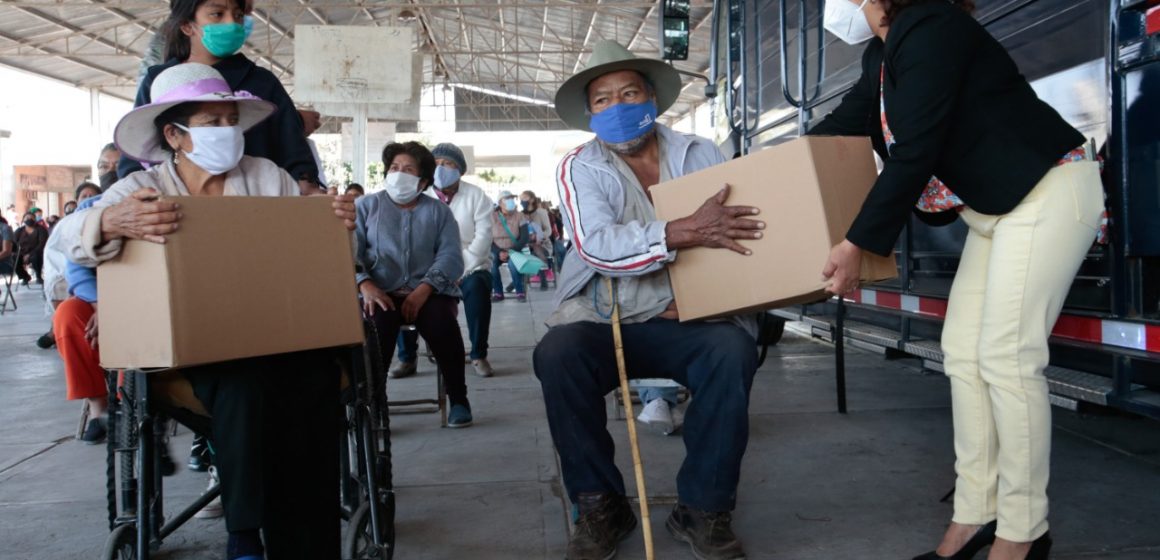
<point>181,12</point>
<point>895,7</point>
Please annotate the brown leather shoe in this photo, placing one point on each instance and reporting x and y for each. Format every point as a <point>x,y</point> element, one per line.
<point>709,533</point>
<point>605,520</point>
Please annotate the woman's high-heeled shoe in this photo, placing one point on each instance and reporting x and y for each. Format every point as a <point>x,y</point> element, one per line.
<point>1040,547</point>
<point>980,540</point>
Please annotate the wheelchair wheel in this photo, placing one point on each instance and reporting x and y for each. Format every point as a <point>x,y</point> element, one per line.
<point>359,542</point>
<point>121,544</point>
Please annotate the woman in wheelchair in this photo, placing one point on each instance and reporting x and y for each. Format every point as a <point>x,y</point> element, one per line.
<point>411,261</point>
<point>274,419</point>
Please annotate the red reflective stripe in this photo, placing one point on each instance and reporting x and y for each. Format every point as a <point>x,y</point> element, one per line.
<point>931,306</point>
<point>1079,328</point>
<point>891,300</point>
<point>565,166</point>
<point>1073,327</point>
<point>1152,20</point>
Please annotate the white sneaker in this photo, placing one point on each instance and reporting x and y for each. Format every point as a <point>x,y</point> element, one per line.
<point>658,414</point>
<point>214,509</point>
<point>482,367</point>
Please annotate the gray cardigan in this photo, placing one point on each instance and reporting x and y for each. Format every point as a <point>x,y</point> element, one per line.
<point>401,249</point>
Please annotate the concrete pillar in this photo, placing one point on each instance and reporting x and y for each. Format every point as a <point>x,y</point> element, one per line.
<point>95,130</point>
<point>359,147</point>
<point>7,190</point>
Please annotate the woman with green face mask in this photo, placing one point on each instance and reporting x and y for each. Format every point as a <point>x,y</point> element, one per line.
<point>213,32</point>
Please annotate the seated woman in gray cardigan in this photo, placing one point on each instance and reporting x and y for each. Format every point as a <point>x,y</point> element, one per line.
<point>411,261</point>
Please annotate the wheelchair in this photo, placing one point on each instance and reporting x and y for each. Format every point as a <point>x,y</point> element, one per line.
<point>139,409</point>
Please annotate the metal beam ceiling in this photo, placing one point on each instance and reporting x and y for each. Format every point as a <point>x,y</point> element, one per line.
<point>521,49</point>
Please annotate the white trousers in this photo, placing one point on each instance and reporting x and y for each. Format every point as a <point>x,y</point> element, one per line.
<point>1015,273</point>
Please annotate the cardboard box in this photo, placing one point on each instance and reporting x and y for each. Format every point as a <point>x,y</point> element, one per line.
<point>242,277</point>
<point>809,191</point>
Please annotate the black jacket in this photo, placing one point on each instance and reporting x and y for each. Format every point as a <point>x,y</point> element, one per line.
<point>959,109</point>
<point>280,138</point>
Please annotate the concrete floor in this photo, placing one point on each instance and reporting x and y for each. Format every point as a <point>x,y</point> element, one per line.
<point>816,484</point>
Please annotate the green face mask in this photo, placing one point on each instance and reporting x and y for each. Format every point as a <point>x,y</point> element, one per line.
<point>223,39</point>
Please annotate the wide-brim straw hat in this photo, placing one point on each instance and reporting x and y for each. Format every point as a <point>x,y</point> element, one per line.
<point>610,56</point>
<point>191,82</point>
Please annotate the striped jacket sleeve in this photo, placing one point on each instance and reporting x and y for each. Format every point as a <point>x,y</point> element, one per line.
<point>610,248</point>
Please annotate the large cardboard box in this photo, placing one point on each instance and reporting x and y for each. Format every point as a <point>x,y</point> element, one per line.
<point>809,191</point>
<point>242,277</point>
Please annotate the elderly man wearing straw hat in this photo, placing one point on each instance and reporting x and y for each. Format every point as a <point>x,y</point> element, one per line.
<point>604,193</point>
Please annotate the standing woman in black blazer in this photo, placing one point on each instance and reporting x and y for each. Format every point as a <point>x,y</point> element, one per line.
<point>963,135</point>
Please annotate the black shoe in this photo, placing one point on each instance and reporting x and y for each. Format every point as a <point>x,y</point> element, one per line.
<point>605,520</point>
<point>94,432</point>
<point>46,341</point>
<point>709,533</point>
<point>168,467</point>
<point>980,540</point>
<point>199,456</point>
<point>1040,548</point>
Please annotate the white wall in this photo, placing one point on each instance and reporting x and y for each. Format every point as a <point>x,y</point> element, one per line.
<point>51,124</point>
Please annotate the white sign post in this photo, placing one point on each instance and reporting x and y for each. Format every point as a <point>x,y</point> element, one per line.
<point>358,72</point>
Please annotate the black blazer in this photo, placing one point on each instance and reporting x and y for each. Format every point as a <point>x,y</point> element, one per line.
<point>959,109</point>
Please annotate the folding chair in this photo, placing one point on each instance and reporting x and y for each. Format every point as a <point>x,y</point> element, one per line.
<point>9,276</point>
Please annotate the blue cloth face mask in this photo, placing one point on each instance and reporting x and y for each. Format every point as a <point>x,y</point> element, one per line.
<point>223,39</point>
<point>509,205</point>
<point>624,122</point>
<point>445,177</point>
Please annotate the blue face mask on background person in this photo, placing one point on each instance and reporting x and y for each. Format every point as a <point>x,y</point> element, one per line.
<point>445,177</point>
<point>223,39</point>
<point>509,205</point>
<point>624,122</point>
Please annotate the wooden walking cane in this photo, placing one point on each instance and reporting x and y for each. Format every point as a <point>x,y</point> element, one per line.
<point>637,466</point>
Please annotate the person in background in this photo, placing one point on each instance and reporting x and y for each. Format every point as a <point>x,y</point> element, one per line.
<point>559,243</point>
<point>212,32</point>
<point>312,121</point>
<point>541,242</point>
<point>509,232</point>
<point>70,207</point>
<point>39,215</point>
<point>56,287</point>
<point>74,329</point>
<point>7,246</point>
<point>30,238</point>
<point>107,166</point>
<point>11,215</point>
<point>962,135</point>
<point>472,210</point>
<point>411,260</point>
<point>356,189</point>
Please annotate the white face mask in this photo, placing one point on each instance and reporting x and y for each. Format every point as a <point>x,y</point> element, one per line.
<point>847,22</point>
<point>403,188</point>
<point>445,177</point>
<point>216,149</point>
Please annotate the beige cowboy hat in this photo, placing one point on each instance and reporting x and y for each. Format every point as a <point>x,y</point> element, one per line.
<point>610,56</point>
<point>136,135</point>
